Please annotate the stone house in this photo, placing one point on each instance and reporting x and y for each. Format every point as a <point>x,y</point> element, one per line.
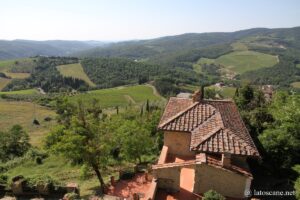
<point>206,146</point>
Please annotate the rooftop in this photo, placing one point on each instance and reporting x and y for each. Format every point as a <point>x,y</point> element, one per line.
<point>215,125</point>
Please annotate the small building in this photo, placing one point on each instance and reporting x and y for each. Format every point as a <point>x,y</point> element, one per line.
<point>206,146</point>
<point>219,85</point>
<point>268,91</point>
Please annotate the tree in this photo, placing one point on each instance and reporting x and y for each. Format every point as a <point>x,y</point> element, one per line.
<point>282,139</point>
<point>297,182</point>
<point>147,106</point>
<point>212,195</point>
<point>13,143</point>
<point>244,96</point>
<point>134,140</point>
<point>210,93</point>
<point>84,140</point>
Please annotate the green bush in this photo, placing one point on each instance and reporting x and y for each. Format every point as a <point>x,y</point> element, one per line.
<point>212,195</point>
<point>3,179</point>
<point>84,172</point>
<point>41,179</point>
<point>72,196</point>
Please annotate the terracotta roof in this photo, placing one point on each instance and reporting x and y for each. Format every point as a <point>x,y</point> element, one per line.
<point>215,126</point>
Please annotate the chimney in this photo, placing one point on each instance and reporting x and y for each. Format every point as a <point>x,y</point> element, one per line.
<point>226,160</point>
<point>198,95</point>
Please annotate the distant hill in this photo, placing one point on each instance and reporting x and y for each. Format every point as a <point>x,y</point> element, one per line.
<point>26,48</point>
<point>175,45</point>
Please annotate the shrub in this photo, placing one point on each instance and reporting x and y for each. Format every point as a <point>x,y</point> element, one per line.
<point>84,172</point>
<point>212,195</point>
<point>36,122</point>
<point>71,196</point>
<point>3,179</point>
<point>41,179</point>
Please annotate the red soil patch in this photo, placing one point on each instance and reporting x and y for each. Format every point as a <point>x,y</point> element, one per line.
<point>126,188</point>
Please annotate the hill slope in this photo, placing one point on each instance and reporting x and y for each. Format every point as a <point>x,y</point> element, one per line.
<point>27,48</point>
<point>171,45</point>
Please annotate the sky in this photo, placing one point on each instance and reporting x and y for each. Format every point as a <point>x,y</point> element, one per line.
<point>115,20</point>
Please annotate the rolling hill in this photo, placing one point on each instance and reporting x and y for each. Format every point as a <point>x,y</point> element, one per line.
<point>173,45</point>
<point>27,48</point>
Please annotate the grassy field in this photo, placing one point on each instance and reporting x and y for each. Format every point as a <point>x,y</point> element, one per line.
<point>23,113</point>
<point>296,84</point>
<point>243,61</point>
<point>198,65</point>
<point>120,96</point>
<point>190,87</point>
<point>239,46</point>
<point>76,71</point>
<point>64,172</point>
<point>226,92</point>
<point>23,63</point>
<point>24,92</point>
<point>17,75</point>
<point>240,61</point>
<point>298,66</point>
<point>3,82</point>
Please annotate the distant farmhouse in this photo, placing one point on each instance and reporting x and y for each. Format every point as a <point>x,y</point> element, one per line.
<point>206,146</point>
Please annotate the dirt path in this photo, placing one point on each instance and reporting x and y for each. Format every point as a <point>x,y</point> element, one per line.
<point>130,99</point>
<point>155,92</point>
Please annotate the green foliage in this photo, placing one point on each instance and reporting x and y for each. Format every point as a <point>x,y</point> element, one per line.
<point>253,108</point>
<point>212,195</point>
<point>84,172</point>
<point>211,93</point>
<point>72,196</point>
<point>296,168</point>
<point>134,139</point>
<point>13,143</point>
<point>3,179</point>
<point>166,86</point>
<point>43,179</point>
<point>82,138</point>
<point>281,139</point>
<point>48,77</point>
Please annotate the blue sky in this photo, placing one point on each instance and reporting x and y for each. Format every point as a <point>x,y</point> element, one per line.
<point>138,19</point>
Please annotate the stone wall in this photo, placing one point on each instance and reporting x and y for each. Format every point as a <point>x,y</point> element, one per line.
<point>178,143</point>
<point>225,182</point>
<point>168,178</point>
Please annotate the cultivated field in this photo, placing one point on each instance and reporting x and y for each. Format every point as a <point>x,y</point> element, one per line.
<point>75,71</point>
<point>22,92</point>
<point>3,82</point>
<point>240,61</point>
<point>120,96</point>
<point>17,66</point>
<point>198,65</point>
<point>239,46</point>
<point>23,113</point>
<point>243,61</point>
<point>296,84</point>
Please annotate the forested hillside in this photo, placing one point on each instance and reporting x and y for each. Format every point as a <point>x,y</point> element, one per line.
<point>27,48</point>
<point>47,77</point>
<point>181,44</point>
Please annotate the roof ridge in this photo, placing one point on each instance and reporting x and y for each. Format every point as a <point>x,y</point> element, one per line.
<point>219,100</point>
<point>214,131</point>
<point>177,115</point>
